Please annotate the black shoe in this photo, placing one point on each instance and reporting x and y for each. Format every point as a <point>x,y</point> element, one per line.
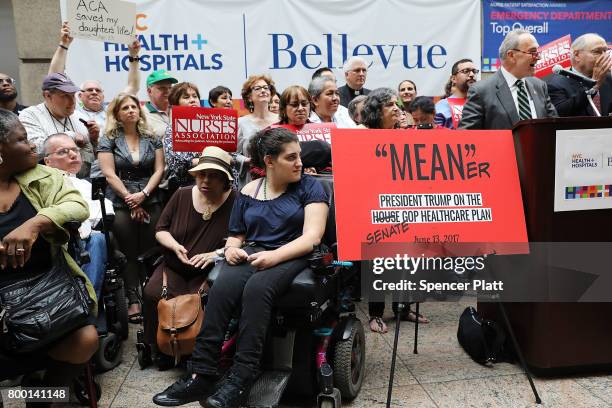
<point>186,390</point>
<point>231,393</point>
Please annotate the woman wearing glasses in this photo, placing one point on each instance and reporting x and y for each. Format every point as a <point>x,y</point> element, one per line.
<point>256,94</point>
<point>463,75</point>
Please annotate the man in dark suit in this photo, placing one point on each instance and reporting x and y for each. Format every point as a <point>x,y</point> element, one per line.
<point>590,58</point>
<point>355,73</point>
<point>512,93</point>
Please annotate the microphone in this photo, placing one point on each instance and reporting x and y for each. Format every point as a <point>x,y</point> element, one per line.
<point>587,82</point>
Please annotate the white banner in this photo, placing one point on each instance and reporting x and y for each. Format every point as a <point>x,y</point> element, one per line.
<point>102,20</point>
<point>222,42</point>
<point>583,169</point>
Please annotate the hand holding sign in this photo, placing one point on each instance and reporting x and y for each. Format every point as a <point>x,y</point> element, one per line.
<point>65,35</point>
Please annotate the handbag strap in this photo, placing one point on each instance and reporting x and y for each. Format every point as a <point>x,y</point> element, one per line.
<point>202,289</point>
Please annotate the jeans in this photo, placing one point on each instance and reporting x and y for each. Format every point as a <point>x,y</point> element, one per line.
<point>257,292</point>
<point>95,269</point>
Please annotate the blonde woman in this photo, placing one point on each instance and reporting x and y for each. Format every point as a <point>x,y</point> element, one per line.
<point>132,161</point>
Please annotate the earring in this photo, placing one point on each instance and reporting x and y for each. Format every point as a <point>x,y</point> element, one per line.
<point>1,160</point>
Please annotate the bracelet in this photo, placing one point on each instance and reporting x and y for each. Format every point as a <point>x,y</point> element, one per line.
<point>145,192</point>
<point>62,46</point>
<point>132,59</point>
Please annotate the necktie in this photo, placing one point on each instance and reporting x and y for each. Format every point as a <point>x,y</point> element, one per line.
<point>523,101</point>
<point>597,101</point>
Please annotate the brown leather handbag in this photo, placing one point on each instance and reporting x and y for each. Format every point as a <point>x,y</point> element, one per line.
<point>179,321</point>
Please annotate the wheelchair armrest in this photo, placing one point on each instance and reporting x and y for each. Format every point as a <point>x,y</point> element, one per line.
<point>151,258</point>
<point>214,273</point>
<point>72,226</point>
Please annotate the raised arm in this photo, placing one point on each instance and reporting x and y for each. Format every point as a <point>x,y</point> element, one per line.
<point>58,62</point>
<point>133,74</point>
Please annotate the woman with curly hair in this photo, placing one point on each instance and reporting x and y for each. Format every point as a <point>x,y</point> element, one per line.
<point>132,160</point>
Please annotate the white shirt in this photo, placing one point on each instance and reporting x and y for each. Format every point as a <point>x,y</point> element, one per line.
<point>511,81</point>
<point>95,211</point>
<point>341,118</point>
<point>39,124</point>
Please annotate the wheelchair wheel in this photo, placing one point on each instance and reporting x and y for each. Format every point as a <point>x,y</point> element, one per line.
<point>80,390</point>
<point>108,355</point>
<point>349,363</point>
<point>122,313</point>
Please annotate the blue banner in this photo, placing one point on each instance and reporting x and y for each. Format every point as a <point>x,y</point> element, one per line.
<point>547,20</point>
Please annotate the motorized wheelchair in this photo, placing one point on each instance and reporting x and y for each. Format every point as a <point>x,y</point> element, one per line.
<point>316,344</point>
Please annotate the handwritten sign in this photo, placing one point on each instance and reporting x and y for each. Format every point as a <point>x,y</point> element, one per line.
<point>195,128</point>
<point>554,53</point>
<point>434,187</point>
<point>102,20</point>
<point>316,131</point>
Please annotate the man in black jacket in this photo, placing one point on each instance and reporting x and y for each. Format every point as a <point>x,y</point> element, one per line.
<point>590,58</point>
<point>355,73</point>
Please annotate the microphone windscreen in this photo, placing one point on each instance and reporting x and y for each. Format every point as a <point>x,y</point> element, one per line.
<point>557,68</point>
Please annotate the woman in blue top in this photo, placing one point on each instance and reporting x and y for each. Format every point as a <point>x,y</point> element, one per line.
<point>282,216</point>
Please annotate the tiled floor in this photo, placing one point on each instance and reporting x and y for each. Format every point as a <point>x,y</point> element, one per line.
<point>441,375</point>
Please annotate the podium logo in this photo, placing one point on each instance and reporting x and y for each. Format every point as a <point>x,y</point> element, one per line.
<point>580,161</point>
<point>594,191</point>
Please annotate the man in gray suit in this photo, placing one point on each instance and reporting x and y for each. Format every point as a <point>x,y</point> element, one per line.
<point>512,93</point>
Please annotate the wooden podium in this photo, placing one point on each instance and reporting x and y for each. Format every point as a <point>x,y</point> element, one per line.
<point>557,337</point>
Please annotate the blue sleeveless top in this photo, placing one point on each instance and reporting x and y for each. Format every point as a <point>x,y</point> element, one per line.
<point>274,223</point>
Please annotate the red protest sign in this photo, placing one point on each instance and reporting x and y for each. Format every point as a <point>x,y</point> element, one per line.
<point>316,131</point>
<point>194,128</point>
<point>554,53</point>
<point>409,186</point>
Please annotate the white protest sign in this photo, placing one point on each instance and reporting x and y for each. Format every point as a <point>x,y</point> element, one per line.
<point>102,20</point>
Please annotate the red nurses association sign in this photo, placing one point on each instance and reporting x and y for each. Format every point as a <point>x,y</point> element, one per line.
<point>556,52</point>
<point>195,128</point>
<point>434,187</point>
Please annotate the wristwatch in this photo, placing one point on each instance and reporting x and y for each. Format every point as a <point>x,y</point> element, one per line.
<point>220,252</point>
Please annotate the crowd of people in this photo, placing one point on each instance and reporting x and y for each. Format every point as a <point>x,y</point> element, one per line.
<point>199,207</point>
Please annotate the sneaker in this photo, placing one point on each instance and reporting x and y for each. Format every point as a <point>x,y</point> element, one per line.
<point>231,393</point>
<point>185,390</point>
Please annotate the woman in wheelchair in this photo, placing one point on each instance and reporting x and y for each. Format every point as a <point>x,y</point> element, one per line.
<point>191,229</point>
<point>34,204</point>
<point>276,221</point>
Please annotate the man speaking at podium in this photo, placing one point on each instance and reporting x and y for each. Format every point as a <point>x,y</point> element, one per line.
<point>512,93</point>
<point>591,60</point>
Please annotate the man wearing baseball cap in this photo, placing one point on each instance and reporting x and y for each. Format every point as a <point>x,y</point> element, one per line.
<point>159,84</point>
<point>56,115</point>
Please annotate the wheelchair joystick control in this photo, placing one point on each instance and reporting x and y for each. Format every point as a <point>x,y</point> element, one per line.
<point>326,379</point>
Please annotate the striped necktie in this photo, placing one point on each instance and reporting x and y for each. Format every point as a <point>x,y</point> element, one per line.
<point>523,101</point>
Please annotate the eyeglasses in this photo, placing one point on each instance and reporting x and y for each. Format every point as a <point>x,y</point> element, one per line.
<point>259,88</point>
<point>467,71</point>
<point>92,90</point>
<point>8,80</point>
<point>296,105</point>
<point>534,54</point>
<point>65,151</point>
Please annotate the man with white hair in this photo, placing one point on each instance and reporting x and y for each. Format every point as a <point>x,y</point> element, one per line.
<point>62,153</point>
<point>590,59</point>
<point>512,93</point>
<point>355,73</point>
